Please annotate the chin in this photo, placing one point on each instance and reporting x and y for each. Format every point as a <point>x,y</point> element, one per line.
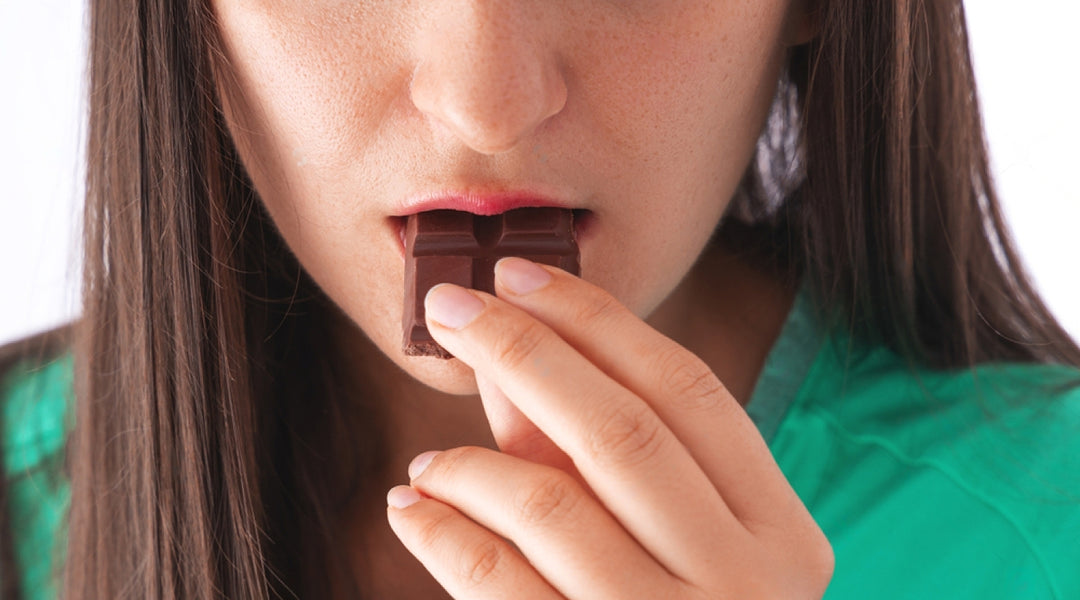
<point>447,376</point>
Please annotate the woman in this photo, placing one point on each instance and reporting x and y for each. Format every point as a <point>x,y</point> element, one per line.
<point>845,277</point>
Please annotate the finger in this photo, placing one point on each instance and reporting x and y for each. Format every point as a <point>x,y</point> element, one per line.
<point>565,534</point>
<point>470,562</point>
<point>515,434</point>
<point>680,387</point>
<point>633,463</point>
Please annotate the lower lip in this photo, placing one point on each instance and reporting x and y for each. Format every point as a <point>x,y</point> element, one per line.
<point>584,226</point>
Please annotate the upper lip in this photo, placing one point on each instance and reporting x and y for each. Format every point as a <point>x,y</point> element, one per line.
<point>478,203</point>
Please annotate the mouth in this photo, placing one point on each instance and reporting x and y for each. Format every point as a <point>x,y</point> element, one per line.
<point>584,222</point>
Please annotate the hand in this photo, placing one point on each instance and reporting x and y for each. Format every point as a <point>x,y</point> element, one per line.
<point>627,470</point>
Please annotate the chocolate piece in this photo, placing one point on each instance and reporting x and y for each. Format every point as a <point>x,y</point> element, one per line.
<point>449,246</point>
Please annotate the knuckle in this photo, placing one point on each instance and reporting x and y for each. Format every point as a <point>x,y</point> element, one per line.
<point>482,562</point>
<point>513,348</point>
<point>449,462</point>
<point>627,438</point>
<point>808,556</point>
<point>600,308</point>
<point>692,384</point>
<point>819,563</point>
<point>552,498</point>
<point>431,534</point>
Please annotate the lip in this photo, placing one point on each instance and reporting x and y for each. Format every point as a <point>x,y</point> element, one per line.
<point>484,205</point>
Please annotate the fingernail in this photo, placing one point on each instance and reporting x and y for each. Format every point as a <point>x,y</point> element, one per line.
<point>452,306</point>
<point>418,464</point>
<point>402,496</point>
<point>521,276</point>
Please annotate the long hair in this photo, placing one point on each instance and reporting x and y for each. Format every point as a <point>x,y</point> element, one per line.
<point>897,223</point>
<point>218,443</point>
<point>213,445</point>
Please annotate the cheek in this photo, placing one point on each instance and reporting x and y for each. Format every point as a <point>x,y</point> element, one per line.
<point>682,114</point>
<point>303,110</point>
<point>686,98</point>
<point>307,97</point>
<point>647,254</point>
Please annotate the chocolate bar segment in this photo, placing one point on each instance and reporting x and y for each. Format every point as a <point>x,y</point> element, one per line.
<point>449,246</point>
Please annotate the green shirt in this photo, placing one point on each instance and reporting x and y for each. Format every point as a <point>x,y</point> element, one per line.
<point>35,406</point>
<point>928,484</point>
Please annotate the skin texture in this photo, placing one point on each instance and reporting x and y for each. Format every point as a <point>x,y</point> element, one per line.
<point>643,112</point>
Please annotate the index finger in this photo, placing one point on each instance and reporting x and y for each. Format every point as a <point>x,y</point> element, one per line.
<point>635,465</point>
<point>678,385</point>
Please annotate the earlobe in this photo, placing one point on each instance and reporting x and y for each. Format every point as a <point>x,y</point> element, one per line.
<point>804,21</point>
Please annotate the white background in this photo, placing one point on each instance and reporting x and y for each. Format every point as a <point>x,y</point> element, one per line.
<point>1026,67</point>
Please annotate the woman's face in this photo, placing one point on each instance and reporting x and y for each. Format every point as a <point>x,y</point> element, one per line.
<point>644,113</point>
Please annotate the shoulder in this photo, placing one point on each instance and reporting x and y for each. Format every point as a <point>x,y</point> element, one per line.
<point>36,400</point>
<point>982,464</point>
<point>875,392</point>
<point>995,407</point>
<point>36,396</point>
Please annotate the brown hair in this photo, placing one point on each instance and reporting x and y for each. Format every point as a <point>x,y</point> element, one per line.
<point>218,441</point>
<point>898,224</point>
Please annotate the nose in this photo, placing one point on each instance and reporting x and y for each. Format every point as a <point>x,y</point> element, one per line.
<point>487,70</point>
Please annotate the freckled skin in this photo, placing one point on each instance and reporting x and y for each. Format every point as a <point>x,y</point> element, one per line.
<point>645,112</point>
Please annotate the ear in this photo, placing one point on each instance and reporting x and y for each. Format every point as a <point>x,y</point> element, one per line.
<point>804,21</point>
